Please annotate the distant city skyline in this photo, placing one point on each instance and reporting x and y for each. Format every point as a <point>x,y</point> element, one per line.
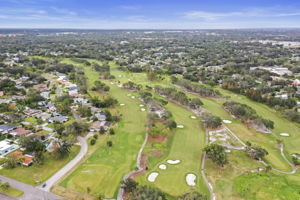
<point>144,14</point>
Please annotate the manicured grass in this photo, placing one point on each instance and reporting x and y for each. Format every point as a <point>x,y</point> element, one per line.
<point>12,192</point>
<point>39,173</point>
<point>186,146</point>
<point>282,125</point>
<point>105,168</point>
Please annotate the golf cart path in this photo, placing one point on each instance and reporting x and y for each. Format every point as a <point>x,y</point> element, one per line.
<point>83,150</point>
<point>138,165</point>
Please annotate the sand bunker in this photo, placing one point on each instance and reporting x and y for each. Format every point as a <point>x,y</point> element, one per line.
<point>129,95</point>
<point>285,134</point>
<point>133,97</point>
<point>190,179</point>
<point>173,162</point>
<point>122,104</point>
<point>143,109</point>
<point>193,117</point>
<point>180,126</point>
<point>141,105</point>
<point>152,176</point>
<point>227,121</point>
<point>162,166</point>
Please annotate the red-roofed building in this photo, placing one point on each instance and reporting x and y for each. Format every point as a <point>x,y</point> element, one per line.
<point>27,160</point>
<point>42,88</point>
<point>20,132</point>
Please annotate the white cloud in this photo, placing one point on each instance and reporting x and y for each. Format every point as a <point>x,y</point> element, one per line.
<point>63,11</point>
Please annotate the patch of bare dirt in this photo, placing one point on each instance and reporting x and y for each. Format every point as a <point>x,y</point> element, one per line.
<point>156,153</point>
<point>144,161</point>
<point>160,138</point>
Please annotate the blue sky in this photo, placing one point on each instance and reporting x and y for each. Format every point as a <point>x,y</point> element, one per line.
<point>149,14</point>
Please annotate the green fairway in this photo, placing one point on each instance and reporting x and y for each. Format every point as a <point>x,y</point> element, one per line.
<point>37,174</point>
<point>186,146</point>
<point>105,168</point>
<point>281,124</point>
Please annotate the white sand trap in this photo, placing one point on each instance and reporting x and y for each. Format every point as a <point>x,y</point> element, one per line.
<point>227,121</point>
<point>162,166</point>
<point>129,95</point>
<point>173,162</point>
<point>133,97</point>
<point>141,105</point>
<point>122,104</point>
<point>180,126</point>
<point>152,176</point>
<point>190,179</point>
<point>112,83</point>
<point>143,109</point>
<point>120,75</point>
<point>285,134</point>
<point>193,117</point>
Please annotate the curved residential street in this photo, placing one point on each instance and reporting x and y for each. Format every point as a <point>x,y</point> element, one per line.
<point>83,150</point>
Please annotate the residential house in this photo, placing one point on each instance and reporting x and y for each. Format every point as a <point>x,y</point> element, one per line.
<point>25,160</point>
<point>101,116</point>
<point>6,128</point>
<point>6,146</point>
<point>18,132</point>
<point>59,118</point>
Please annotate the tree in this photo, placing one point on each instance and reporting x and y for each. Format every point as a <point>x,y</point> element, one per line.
<point>76,128</point>
<point>62,148</point>
<point>217,154</point>
<point>11,162</point>
<point>93,141</point>
<point>193,195</point>
<point>256,152</point>
<point>211,121</point>
<point>147,192</point>
<point>109,143</point>
<point>129,185</point>
<point>5,186</point>
<point>111,131</point>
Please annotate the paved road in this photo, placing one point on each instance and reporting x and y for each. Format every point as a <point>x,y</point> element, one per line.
<point>84,147</point>
<point>6,197</point>
<point>58,91</point>
<point>30,192</point>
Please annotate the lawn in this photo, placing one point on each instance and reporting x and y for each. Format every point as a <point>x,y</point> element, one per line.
<point>38,173</point>
<point>109,165</point>
<point>12,192</point>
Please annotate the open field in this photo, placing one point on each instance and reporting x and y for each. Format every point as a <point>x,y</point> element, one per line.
<point>37,174</point>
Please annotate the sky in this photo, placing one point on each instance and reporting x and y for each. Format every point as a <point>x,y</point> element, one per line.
<point>150,14</point>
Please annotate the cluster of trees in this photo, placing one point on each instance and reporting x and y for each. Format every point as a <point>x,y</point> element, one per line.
<point>63,104</point>
<point>79,77</point>
<point>211,121</point>
<point>84,111</point>
<point>292,116</point>
<point>8,86</point>
<point>132,86</point>
<point>196,88</point>
<point>100,86</point>
<point>178,96</point>
<point>255,152</point>
<point>104,70</point>
<point>217,154</point>
<point>246,114</point>
<point>136,192</point>
<point>105,103</point>
<point>76,128</point>
<point>82,61</point>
